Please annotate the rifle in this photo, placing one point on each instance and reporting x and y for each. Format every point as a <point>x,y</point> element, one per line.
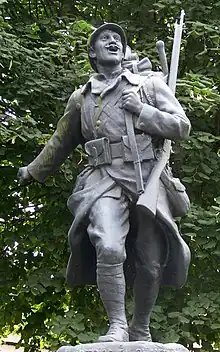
<point>148,200</point>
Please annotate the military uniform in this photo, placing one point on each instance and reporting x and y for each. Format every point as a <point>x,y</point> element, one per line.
<point>105,192</point>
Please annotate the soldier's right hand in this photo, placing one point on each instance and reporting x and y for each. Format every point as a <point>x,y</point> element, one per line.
<point>24,177</point>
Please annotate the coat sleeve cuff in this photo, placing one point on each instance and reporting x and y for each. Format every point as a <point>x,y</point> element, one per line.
<point>145,117</point>
<point>33,172</point>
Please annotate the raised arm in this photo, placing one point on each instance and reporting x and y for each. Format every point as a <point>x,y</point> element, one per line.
<point>66,137</point>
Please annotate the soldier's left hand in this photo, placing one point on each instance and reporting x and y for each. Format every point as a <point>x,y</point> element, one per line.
<point>131,101</point>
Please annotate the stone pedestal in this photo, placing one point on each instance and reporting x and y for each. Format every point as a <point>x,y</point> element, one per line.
<point>137,346</point>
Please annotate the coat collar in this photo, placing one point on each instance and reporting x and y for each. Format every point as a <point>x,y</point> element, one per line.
<point>97,82</point>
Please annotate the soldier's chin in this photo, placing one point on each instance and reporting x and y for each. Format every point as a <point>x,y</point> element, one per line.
<point>112,61</point>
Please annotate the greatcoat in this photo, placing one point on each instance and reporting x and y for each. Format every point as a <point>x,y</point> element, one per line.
<point>90,115</point>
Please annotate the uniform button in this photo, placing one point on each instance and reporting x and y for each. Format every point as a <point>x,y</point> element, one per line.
<point>78,106</point>
<point>142,125</point>
<point>98,122</point>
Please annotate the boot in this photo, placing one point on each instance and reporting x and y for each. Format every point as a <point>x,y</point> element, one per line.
<point>136,334</point>
<point>111,285</point>
<point>115,333</point>
<point>146,288</point>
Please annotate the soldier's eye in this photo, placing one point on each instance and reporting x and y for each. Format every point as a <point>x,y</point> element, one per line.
<point>117,38</point>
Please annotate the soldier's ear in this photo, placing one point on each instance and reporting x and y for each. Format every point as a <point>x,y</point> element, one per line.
<point>92,53</point>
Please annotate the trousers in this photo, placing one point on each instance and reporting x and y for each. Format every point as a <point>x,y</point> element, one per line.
<point>108,229</point>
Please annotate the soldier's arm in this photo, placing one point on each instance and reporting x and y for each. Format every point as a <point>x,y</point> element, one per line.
<point>66,137</point>
<point>167,118</point>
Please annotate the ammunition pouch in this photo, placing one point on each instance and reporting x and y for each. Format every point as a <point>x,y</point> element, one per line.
<point>144,145</point>
<point>98,151</point>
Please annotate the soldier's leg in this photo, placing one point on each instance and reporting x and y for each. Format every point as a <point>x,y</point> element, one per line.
<point>108,229</point>
<point>150,252</point>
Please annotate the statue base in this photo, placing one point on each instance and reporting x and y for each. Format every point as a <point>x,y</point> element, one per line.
<point>136,346</point>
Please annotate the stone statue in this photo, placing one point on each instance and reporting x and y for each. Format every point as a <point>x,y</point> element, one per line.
<point>122,118</point>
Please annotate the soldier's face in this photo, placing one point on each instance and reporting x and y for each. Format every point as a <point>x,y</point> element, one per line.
<point>108,48</point>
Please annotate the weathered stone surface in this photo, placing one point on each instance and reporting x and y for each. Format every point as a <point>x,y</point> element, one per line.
<point>137,346</point>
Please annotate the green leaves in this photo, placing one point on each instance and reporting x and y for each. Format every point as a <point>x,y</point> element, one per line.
<point>43,59</point>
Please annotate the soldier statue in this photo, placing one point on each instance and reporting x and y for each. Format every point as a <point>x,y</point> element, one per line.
<point>121,118</point>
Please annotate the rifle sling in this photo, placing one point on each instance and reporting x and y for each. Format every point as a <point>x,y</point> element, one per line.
<point>133,145</point>
<point>134,151</point>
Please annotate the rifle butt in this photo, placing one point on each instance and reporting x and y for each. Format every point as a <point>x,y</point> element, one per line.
<point>147,201</point>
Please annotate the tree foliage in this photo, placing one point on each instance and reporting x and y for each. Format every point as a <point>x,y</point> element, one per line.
<point>43,47</point>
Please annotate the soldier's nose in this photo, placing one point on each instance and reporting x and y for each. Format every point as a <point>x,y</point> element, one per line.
<point>112,40</point>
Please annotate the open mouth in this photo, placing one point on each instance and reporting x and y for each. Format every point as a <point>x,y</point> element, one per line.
<point>112,48</point>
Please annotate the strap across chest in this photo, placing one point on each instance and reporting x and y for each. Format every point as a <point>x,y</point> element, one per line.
<point>108,103</point>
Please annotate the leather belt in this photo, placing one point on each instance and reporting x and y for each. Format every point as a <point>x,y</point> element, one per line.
<point>101,151</point>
